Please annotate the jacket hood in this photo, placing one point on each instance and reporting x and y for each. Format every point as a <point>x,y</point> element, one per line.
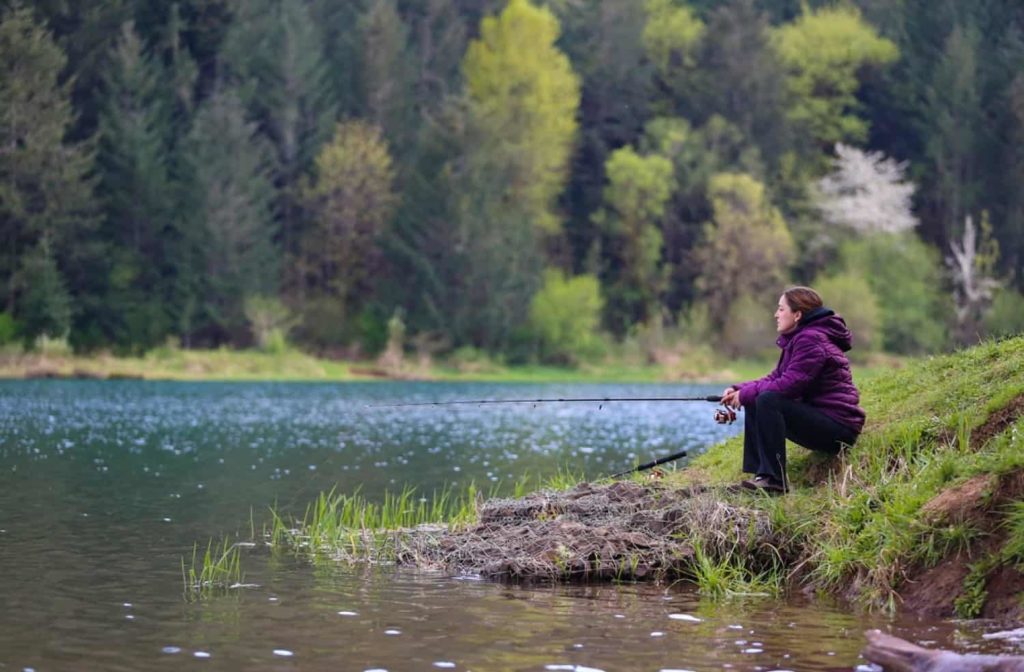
<point>826,321</point>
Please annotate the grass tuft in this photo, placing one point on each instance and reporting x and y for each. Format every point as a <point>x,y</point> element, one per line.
<point>217,571</point>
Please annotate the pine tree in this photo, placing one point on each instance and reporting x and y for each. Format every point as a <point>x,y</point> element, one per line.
<point>231,234</point>
<point>387,72</point>
<point>46,203</point>
<point>136,190</point>
<point>274,55</point>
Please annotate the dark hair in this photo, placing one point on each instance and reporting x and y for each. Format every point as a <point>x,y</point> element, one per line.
<point>802,299</point>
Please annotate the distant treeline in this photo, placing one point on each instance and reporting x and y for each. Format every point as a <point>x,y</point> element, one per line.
<point>533,179</point>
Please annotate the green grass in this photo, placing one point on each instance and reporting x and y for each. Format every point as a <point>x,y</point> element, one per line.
<point>353,528</point>
<point>173,363</point>
<point>866,513</point>
<point>216,571</point>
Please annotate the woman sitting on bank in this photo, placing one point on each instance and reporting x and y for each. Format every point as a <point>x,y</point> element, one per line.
<point>809,398</point>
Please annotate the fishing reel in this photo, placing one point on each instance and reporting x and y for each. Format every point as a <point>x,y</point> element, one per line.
<point>725,415</point>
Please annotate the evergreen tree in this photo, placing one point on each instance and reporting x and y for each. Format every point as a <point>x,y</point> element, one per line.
<point>741,80</point>
<point>231,233</point>
<point>604,41</point>
<point>955,116</point>
<point>136,190</point>
<point>45,308</point>
<point>274,54</point>
<point>387,72</point>
<point>46,203</point>
<point>341,47</point>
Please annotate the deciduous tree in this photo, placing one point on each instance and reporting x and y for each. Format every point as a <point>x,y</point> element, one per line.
<point>747,246</point>
<point>638,189</point>
<point>350,200</point>
<point>823,52</point>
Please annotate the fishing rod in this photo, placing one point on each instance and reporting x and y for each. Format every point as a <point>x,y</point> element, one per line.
<point>714,399</point>
<point>652,464</point>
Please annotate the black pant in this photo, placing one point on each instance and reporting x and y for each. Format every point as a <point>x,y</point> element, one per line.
<point>772,419</point>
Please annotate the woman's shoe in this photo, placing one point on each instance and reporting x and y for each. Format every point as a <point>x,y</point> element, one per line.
<point>765,484</point>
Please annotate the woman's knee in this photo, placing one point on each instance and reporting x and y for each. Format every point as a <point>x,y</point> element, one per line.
<point>768,400</point>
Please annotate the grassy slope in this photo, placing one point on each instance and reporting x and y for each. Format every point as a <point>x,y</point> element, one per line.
<point>859,525</point>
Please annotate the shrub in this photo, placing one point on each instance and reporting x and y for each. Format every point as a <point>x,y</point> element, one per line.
<point>8,329</point>
<point>564,317</point>
<point>905,275</point>
<point>1006,315</point>
<point>850,295</point>
<point>748,330</point>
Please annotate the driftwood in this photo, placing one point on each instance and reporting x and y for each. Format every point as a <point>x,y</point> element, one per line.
<point>898,655</point>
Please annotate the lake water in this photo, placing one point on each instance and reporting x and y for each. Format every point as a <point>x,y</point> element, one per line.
<point>105,486</point>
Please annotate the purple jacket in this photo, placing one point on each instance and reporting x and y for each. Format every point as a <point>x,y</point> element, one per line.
<point>813,369</point>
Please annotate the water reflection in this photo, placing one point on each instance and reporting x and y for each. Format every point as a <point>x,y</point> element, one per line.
<point>105,486</point>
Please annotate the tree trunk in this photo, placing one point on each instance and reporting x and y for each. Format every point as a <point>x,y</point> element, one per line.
<point>898,655</point>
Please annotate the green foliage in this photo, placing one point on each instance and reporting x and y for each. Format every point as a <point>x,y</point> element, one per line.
<point>823,52</point>
<point>565,316</point>
<point>850,295</point>
<point>386,72</point>
<point>9,329</point>
<point>906,278</point>
<point>638,190</point>
<point>46,200</point>
<point>229,238</point>
<point>748,329</point>
<point>748,248</point>
<point>523,96</point>
<point>217,571</point>
<point>45,305</point>
<point>501,130</point>
<point>350,201</point>
<point>1006,315</point>
<point>867,509</point>
<point>671,34</point>
<point>270,321</point>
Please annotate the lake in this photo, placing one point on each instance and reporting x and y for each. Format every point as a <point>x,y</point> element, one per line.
<point>106,485</point>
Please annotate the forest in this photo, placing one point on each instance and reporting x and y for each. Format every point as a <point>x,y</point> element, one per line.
<point>534,180</point>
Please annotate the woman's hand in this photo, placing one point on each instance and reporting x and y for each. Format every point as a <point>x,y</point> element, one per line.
<point>731,397</point>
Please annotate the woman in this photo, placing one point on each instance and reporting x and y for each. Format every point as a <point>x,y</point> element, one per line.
<point>809,398</point>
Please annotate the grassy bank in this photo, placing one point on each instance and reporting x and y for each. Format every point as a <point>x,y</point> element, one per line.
<point>926,512</point>
<point>168,363</point>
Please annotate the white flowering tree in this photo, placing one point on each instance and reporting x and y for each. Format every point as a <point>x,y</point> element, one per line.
<point>867,193</point>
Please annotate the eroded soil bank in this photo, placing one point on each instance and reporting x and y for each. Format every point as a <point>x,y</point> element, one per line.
<point>649,531</point>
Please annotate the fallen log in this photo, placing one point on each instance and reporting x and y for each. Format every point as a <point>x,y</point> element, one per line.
<point>899,655</point>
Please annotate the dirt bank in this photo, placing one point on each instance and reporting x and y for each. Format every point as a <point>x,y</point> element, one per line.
<point>622,530</point>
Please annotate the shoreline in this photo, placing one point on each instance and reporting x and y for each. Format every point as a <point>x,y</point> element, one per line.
<point>293,366</point>
<point>925,514</point>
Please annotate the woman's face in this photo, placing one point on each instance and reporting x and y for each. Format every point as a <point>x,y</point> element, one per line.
<point>785,318</point>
